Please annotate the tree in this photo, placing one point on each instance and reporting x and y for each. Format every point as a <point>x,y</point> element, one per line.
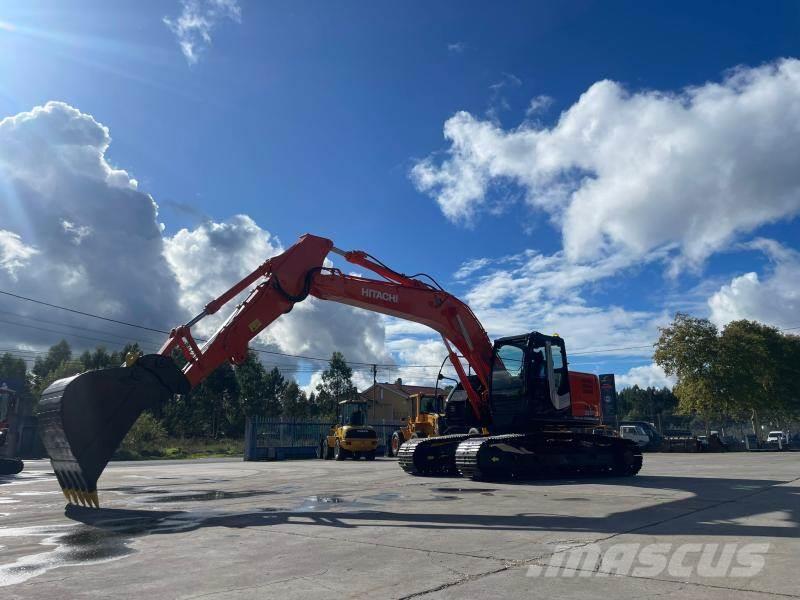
<point>56,356</point>
<point>650,404</point>
<point>258,396</point>
<point>757,370</point>
<point>210,410</point>
<point>688,349</point>
<point>336,385</point>
<point>99,359</point>
<point>748,370</point>
<point>294,401</point>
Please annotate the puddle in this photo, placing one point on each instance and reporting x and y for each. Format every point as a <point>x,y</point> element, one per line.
<point>8,501</point>
<point>457,490</point>
<point>73,545</point>
<point>205,496</point>
<point>384,496</point>
<point>26,477</point>
<point>37,493</point>
<point>156,495</point>
<point>320,503</point>
<point>574,499</point>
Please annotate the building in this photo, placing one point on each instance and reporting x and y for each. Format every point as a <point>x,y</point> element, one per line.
<point>390,401</point>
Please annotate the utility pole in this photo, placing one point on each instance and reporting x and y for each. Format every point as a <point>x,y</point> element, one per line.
<point>374,385</point>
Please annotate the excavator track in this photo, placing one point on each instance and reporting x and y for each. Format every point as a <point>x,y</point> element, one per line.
<point>547,454</point>
<point>431,456</point>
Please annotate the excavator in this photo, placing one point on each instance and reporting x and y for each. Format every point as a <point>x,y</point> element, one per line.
<point>516,413</point>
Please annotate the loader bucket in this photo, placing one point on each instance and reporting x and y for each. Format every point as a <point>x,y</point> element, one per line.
<point>84,418</point>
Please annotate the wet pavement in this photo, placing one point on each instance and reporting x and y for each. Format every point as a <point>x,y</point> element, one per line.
<point>322,529</point>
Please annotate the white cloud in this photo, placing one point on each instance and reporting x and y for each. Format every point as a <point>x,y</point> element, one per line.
<point>531,291</point>
<point>469,267</point>
<point>772,299</point>
<point>14,254</point>
<point>645,376</point>
<point>636,172</point>
<point>77,232</point>
<point>212,257</point>
<point>197,20</point>
<point>80,233</point>
<point>456,47</point>
<point>538,104</point>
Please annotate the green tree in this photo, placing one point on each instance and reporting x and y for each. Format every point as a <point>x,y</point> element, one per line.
<point>688,349</point>
<point>209,410</point>
<point>336,386</point>
<point>757,370</point>
<point>56,356</point>
<point>99,359</point>
<point>259,391</point>
<point>294,401</point>
<point>650,404</point>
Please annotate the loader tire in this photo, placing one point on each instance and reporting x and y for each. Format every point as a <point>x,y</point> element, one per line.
<point>339,453</point>
<point>397,441</point>
<point>322,449</point>
<point>370,455</point>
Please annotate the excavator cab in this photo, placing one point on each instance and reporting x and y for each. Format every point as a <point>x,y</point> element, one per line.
<point>529,381</point>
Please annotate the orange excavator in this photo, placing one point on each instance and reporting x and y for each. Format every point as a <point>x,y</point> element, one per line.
<point>514,417</point>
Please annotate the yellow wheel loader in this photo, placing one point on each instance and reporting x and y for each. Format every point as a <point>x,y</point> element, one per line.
<point>350,437</point>
<point>426,410</point>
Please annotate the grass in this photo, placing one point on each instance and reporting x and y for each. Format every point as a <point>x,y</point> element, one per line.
<point>181,448</point>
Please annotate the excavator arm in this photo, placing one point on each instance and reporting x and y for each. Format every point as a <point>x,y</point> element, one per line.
<point>297,273</point>
<point>84,418</point>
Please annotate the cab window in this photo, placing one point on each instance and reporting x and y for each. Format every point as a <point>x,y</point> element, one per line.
<point>507,371</point>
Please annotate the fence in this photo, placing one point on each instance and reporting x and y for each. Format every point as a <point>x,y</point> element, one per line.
<point>280,438</point>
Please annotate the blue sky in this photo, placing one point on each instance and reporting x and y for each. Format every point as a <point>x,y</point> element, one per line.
<point>325,117</point>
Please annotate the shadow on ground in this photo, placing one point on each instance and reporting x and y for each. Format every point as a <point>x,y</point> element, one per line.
<point>733,500</point>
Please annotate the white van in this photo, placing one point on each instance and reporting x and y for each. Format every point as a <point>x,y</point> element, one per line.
<point>634,433</point>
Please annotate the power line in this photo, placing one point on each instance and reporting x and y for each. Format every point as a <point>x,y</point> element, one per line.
<point>260,350</point>
<point>85,314</point>
<point>62,324</point>
<point>62,333</point>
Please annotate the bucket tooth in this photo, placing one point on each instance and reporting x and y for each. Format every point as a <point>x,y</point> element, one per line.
<point>94,499</point>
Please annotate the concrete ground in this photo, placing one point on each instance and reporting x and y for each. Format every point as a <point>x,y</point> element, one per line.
<point>321,529</point>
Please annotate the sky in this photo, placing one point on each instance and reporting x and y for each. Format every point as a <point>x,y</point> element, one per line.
<point>585,168</point>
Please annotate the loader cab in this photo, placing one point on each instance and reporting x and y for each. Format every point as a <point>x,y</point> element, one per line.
<point>529,382</point>
<point>353,413</point>
<point>422,404</point>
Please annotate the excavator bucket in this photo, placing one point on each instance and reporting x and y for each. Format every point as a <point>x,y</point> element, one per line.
<point>84,418</point>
